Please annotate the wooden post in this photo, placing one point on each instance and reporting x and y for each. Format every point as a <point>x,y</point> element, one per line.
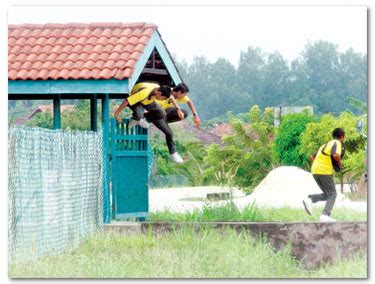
<point>94,113</point>
<point>57,111</point>
<point>106,175</point>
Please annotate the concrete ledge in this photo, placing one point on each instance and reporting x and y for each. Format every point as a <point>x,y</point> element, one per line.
<point>126,228</point>
<point>312,243</point>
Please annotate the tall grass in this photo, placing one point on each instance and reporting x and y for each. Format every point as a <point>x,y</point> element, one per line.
<point>182,253</point>
<point>252,213</point>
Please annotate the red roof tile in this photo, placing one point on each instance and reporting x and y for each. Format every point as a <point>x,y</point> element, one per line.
<point>76,51</point>
<point>205,137</point>
<point>222,129</point>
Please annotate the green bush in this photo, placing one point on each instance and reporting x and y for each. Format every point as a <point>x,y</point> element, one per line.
<point>248,150</point>
<point>318,133</point>
<point>355,164</point>
<point>287,144</point>
<point>76,119</point>
<point>192,152</point>
<point>42,119</point>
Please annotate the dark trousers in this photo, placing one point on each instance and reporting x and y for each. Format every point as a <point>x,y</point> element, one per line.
<point>172,115</point>
<point>157,115</point>
<point>327,185</point>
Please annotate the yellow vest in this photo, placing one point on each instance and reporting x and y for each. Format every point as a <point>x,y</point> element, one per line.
<point>322,164</point>
<point>165,104</point>
<point>140,93</point>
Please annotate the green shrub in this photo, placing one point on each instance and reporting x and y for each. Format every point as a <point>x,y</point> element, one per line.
<point>318,133</point>
<point>287,145</point>
<point>248,150</point>
<point>42,119</point>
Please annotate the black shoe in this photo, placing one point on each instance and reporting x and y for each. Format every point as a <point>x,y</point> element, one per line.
<point>307,204</point>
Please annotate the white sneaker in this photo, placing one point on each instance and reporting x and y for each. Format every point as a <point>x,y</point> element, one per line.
<point>176,157</point>
<point>143,123</point>
<point>326,218</point>
<point>132,123</point>
<point>308,205</point>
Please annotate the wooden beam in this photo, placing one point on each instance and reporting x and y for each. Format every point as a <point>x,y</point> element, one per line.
<point>13,97</point>
<point>153,59</point>
<point>155,71</point>
<point>79,87</point>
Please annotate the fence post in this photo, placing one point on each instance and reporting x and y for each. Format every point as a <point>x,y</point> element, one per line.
<point>106,188</point>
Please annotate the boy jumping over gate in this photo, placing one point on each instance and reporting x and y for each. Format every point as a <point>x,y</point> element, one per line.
<point>142,97</point>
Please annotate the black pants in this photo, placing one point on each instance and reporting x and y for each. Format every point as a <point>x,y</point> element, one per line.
<point>172,115</point>
<point>327,185</point>
<point>157,115</point>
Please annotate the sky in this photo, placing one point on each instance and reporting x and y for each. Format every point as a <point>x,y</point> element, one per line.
<point>223,31</point>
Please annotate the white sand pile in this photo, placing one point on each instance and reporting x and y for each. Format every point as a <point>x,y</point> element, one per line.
<point>286,186</point>
<point>185,199</point>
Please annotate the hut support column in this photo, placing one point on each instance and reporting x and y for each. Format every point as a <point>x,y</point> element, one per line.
<point>57,112</point>
<point>94,113</point>
<point>106,181</point>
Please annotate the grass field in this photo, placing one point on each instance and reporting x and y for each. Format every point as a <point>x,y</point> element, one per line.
<point>230,212</point>
<point>181,254</point>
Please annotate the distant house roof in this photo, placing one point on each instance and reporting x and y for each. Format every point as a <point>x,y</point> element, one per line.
<point>44,108</point>
<point>222,129</point>
<point>203,136</point>
<point>39,109</point>
<point>76,51</point>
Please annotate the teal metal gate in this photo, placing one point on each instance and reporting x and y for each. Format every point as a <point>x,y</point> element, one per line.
<point>130,167</point>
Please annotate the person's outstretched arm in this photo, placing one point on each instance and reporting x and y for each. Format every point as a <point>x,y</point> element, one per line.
<point>197,120</point>
<point>337,159</point>
<point>179,111</point>
<point>336,153</point>
<point>119,109</point>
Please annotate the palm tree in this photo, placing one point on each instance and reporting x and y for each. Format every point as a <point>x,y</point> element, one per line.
<point>357,104</point>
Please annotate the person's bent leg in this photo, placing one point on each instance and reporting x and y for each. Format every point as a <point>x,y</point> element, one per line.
<point>319,179</point>
<point>172,114</point>
<point>330,189</point>
<point>157,116</point>
<point>318,197</point>
<point>164,127</point>
<point>154,112</point>
<point>138,112</point>
<point>138,116</point>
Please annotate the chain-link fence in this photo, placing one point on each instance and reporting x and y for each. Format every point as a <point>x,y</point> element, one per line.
<point>55,195</point>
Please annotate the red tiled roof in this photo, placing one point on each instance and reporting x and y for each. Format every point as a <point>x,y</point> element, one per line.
<point>44,108</point>
<point>222,129</point>
<point>202,135</point>
<point>39,109</point>
<point>205,137</point>
<point>76,51</point>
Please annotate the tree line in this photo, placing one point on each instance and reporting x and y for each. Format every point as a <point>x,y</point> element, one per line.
<point>321,76</point>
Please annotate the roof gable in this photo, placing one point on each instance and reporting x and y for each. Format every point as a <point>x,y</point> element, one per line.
<point>49,108</point>
<point>76,51</point>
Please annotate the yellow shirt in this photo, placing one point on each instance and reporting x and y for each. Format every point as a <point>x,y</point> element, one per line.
<point>322,164</point>
<point>165,104</point>
<point>140,93</point>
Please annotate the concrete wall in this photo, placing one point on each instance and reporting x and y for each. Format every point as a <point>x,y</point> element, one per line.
<point>312,243</point>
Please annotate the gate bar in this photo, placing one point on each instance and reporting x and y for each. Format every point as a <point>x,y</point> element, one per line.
<point>106,189</point>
